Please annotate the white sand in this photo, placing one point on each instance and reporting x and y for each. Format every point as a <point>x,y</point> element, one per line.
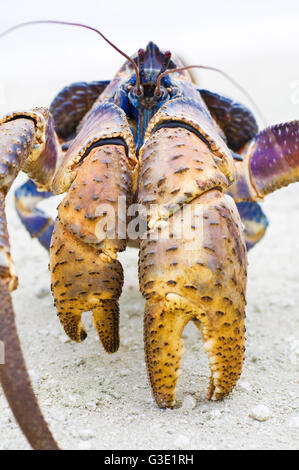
<point>93,400</point>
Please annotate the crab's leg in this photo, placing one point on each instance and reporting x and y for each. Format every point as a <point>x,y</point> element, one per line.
<point>86,274</point>
<point>23,139</point>
<point>72,104</point>
<point>38,224</point>
<point>255,222</point>
<point>236,121</point>
<point>271,161</point>
<point>200,276</point>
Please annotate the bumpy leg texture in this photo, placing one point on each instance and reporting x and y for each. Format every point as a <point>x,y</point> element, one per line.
<point>201,276</point>
<point>237,121</point>
<point>16,141</point>
<point>72,104</point>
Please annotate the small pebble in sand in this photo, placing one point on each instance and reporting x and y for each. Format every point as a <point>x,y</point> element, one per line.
<point>188,402</point>
<point>86,434</point>
<point>260,413</point>
<point>80,362</point>
<point>181,442</point>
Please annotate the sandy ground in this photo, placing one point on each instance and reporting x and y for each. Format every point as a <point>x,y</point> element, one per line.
<point>93,400</point>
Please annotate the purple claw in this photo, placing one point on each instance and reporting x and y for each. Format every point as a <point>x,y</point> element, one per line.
<point>274,161</point>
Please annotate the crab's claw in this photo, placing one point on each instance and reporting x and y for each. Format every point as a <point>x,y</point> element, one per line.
<point>192,263</point>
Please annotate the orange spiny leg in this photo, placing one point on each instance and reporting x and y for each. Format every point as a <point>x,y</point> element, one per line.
<point>192,266</point>
<point>85,272</point>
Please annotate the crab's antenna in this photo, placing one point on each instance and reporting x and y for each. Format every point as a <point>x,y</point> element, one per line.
<point>214,69</point>
<point>28,23</point>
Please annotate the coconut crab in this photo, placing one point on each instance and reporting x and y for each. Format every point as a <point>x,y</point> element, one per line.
<point>148,136</point>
